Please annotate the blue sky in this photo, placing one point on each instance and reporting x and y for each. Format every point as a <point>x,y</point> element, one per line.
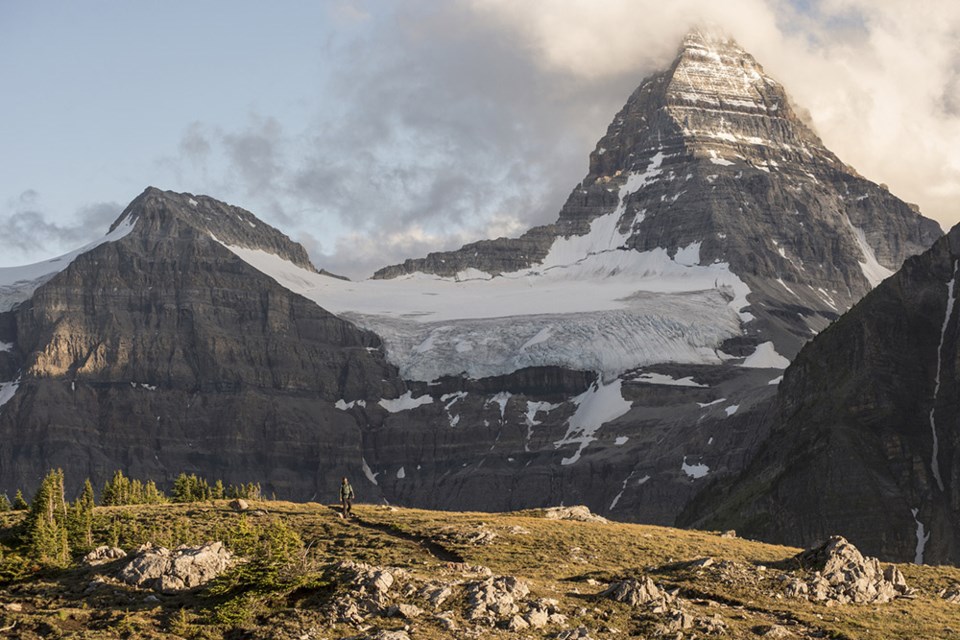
<point>376,131</point>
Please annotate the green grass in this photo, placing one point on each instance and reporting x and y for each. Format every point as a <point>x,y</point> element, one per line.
<point>287,593</point>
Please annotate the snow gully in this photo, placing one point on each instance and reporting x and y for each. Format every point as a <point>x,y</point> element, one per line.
<point>951,299</point>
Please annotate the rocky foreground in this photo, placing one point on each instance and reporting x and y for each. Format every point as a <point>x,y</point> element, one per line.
<point>300,571</point>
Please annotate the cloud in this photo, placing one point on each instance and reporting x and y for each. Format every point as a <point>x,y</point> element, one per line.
<point>29,229</point>
<point>881,80</point>
<point>445,117</point>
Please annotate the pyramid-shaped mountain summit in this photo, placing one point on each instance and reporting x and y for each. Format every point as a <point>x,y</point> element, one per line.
<point>710,155</point>
<point>624,357</point>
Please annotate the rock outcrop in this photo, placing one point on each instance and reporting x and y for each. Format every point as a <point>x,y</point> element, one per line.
<point>843,575</point>
<point>864,433</point>
<point>163,352</point>
<point>167,571</point>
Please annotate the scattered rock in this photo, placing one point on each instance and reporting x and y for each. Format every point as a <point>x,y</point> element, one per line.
<point>579,512</point>
<point>494,599</point>
<point>446,622</point>
<point>537,618</point>
<point>795,587</point>
<point>103,555</point>
<point>518,623</point>
<point>517,530</point>
<point>729,533</point>
<point>382,634</point>
<point>844,575</point>
<point>435,594</point>
<point>580,633</point>
<point>239,505</point>
<point>479,537</point>
<point>637,593</point>
<point>675,620</point>
<point>772,631</point>
<point>408,611</point>
<point>14,607</point>
<point>951,593</point>
<point>702,563</point>
<point>715,625</point>
<point>169,571</point>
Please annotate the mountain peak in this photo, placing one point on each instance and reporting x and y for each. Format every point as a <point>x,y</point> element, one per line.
<point>159,213</point>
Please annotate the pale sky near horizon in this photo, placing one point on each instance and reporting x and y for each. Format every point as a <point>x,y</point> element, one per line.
<point>374,131</point>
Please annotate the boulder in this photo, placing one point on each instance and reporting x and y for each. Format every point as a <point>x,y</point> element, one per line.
<point>103,555</point>
<point>636,592</point>
<point>579,512</point>
<point>843,575</point>
<point>239,504</point>
<point>170,571</point>
<point>408,611</point>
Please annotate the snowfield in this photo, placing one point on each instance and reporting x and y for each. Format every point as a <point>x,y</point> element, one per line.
<point>589,305</point>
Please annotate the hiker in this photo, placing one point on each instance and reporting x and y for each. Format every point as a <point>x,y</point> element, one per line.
<point>346,497</point>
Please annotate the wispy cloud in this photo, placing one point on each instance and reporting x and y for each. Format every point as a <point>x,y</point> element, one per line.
<point>450,116</point>
<point>28,227</point>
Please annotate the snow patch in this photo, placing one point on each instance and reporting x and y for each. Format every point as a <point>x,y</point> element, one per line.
<point>6,346</point>
<point>401,474</point>
<point>765,357</point>
<point>873,271</point>
<point>501,399</point>
<point>951,300</point>
<point>695,471</point>
<point>343,405</point>
<point>405,402</point>
<point>596,406</point>
<point>732,409</point>
<point>533,408</point>
<point>621,440</point>
<point>709,404</point>
<point>688,256</point>
<point>371,476</point>
<point>659,378</point>
<point>623,488</point>
<point>922,537</point>
<point>7,389</point>
<point>776,380</point>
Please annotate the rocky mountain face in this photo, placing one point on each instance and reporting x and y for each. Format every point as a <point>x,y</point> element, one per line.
<point>866,432</point>
<point>710,153</point>
<point>625,357</point>
<point>161,351</point>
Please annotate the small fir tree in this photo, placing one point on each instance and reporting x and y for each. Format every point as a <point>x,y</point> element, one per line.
<point>81,519</point>
<point>5,503</point>
<point>19,504</point>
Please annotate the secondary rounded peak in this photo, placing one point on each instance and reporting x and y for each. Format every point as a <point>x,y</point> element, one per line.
<point>160,213</point>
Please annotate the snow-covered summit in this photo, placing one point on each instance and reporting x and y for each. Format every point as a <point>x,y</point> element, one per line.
<point>710,154</point>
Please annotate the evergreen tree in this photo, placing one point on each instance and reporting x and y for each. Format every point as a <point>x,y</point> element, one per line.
<point>46,524</point>
<point>218,493</point>
<point>19,504</point>
<point>81,519</point>
<point>4,503</point>
<point>152,495</point>
<point>190,488</point>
